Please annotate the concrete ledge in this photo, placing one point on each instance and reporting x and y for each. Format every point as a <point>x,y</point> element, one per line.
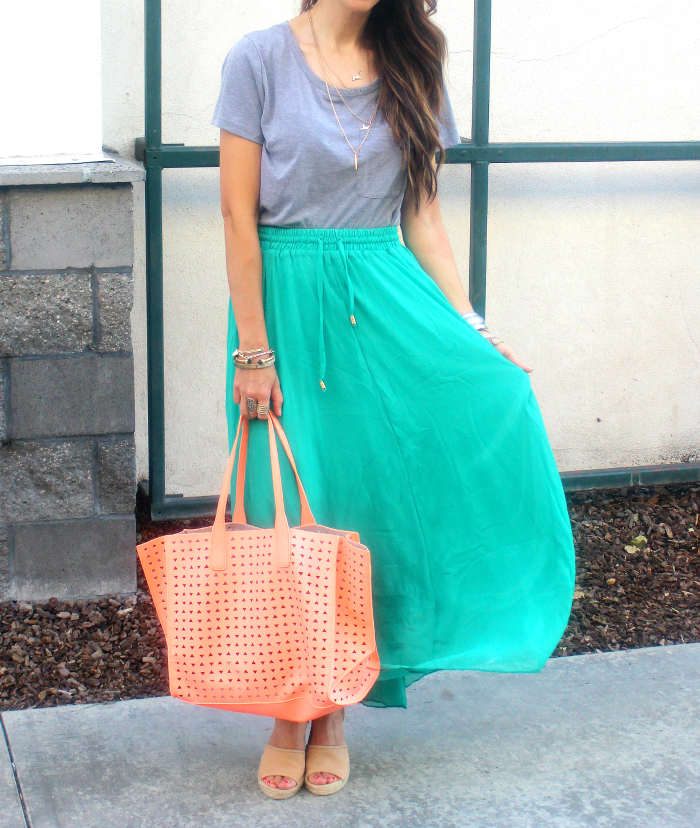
<point>67,490</point>
<point>75,558</point>
<point>116,170</point>
<point>601,741</point>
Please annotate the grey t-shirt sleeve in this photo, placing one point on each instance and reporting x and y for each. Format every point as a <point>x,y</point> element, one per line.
<point>239,108</point>
<point>449,134</point>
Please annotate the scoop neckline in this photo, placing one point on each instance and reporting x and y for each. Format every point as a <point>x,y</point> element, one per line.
<point>316,79</point>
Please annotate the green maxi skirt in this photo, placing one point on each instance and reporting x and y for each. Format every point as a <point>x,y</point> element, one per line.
<point>427,441</point>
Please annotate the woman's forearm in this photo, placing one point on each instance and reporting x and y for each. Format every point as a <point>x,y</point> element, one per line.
<point>426,237</point>
<point>244,271</point>
<point>240,200</point>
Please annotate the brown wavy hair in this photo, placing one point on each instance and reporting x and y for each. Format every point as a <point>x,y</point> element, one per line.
<point>410,52</point>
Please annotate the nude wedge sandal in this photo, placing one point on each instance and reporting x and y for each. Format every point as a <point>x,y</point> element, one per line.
<point>281,762</point>
<point>333,759</point>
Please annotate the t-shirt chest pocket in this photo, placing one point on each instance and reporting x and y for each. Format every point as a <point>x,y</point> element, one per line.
<point>380,172</point>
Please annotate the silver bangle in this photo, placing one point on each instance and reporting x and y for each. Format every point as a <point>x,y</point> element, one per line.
<point>479,324</point>
<point>475,320</point>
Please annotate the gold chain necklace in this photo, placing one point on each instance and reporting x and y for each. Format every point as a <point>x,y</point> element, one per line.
<point>325,78</point>
<point>359,74</point>
<point>337,91</point>
<point>325,65</point>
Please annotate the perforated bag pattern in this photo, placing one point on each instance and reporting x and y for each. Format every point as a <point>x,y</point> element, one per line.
<point>270,621</point>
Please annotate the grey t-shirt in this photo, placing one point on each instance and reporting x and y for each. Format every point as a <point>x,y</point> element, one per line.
<point>270,95</point>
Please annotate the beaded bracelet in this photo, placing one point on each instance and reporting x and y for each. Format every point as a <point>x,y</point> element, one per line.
<point>244,359</point>
<point>262,364</point>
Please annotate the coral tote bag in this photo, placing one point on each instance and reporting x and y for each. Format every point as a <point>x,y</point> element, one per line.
<point>273,621</point>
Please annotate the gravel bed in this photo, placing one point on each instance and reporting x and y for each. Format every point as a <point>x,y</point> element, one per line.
<point>637,585</point>
<point>638,569</point>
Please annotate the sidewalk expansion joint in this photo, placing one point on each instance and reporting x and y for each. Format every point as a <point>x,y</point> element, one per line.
<point>18,784</point>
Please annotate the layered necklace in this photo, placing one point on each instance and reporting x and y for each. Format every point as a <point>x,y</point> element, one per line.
<point>355,77</point>
<point>365,126</point>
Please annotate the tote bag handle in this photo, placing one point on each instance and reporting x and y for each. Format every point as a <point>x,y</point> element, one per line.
<point>239,510</point>
<point>217,560</point>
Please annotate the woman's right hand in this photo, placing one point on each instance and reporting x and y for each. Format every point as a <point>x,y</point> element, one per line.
<point>260,384</point>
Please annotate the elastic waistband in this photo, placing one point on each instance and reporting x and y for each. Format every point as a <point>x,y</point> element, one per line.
<point>271,235</point>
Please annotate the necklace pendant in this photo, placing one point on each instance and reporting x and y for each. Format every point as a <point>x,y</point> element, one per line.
<point>355,160</point>
<point>358,76</point>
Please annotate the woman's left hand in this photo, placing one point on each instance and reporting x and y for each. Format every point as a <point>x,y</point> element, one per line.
<point>510,354</point>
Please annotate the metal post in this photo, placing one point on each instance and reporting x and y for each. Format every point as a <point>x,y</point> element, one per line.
<point>154,258</point>
<point>478,228</point>
<point>479,207</point>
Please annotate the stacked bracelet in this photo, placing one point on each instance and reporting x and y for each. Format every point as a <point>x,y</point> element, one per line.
<point>260,358</point>
<point>477,322</point>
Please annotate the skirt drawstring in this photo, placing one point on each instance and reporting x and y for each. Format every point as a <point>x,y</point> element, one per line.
<point>351,293</point>
<point>320,278</point>
<point>319,287</point>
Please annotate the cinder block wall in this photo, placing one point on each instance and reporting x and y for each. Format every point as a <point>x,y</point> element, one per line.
<point>67,477</point>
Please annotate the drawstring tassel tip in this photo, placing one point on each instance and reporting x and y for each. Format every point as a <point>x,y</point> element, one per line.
<point>352,319</point>
<point>323,384</point>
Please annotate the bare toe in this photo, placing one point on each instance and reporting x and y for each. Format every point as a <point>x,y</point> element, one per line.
<point>283,783</point>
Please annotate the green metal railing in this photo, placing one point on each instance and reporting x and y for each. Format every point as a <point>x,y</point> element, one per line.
<point>478,152</point>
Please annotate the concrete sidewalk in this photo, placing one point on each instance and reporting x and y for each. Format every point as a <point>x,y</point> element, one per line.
<point>610,741</point>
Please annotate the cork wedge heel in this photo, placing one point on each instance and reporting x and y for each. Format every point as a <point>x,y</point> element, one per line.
<point>333,759</point>
<point>281,762</point>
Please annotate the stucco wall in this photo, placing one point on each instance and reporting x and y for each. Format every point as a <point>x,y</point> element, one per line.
<point>593,271</point>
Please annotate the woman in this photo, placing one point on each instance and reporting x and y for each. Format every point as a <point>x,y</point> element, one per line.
<point>410,422</point>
